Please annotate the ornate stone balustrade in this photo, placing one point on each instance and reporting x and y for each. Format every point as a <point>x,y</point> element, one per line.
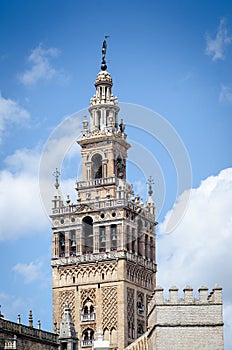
<point>30,332</point>
<point>105,181</point>
<point>88,317</point>
<point>104,256</point>
<point>86,343</point>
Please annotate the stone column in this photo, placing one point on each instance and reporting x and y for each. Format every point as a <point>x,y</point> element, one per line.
<point>67,244</point>
<point>108,238</point>
<point>96,232</point>
<point>78,242</point>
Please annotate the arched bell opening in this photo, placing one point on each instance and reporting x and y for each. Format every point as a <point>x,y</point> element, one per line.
<point>87,231</point>
<point>97,166</point>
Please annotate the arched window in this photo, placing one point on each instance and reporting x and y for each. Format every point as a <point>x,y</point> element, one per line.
<point>87,230</point>
<point>140,329</point>
<point>63,346</point>
<point>113,237</point>
<point>97,166</point>
<point>146,247</point>
<point>133,243</point>
<point>140,304</point>
<point>87,337</point>
<point>128,238</point>
<point>151,249</point>
<point>102,239</point>
<point>72,243</point>
<point>88,311</point>
<point>61,244</point>
<point>139,235</point>
<point>120,167</point>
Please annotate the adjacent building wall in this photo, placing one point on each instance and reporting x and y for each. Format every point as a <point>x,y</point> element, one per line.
<point>186,323</point>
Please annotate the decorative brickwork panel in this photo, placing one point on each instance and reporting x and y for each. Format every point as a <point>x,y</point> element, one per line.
<point>67,296</point>
<point>131,312</point>
<point>139,276</point>
<point>90,271</point>
<point>130,304</point>
<point>88,293</point>
<point>96,270</point>
<point>110,307</point>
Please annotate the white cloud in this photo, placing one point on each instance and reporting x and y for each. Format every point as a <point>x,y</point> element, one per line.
<point>225,94</point>
<point>10,113</point>
<point>41,68</point>
<point>20,204</point>
<point>216,47</point>
<point>29,272</point>
<point>199,250</point>
<point>27,184</point>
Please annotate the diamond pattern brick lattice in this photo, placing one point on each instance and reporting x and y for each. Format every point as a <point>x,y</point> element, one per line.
<point>110,307</point>
<point>131,312</point>
<point>88,293</point>
<point>130,305</point>
<point>67,296</point>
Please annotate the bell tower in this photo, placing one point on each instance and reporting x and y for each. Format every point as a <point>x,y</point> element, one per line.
<point>103,246</point>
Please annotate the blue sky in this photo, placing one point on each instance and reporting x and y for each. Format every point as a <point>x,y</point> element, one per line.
<point>171,57</point>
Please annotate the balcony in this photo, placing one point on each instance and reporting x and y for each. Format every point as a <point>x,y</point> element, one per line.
<point>88,317</point>
<point>87,343</point>
<point>80,185</point>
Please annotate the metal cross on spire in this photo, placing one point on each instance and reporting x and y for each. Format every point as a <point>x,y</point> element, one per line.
<point>150,182</point>
<point>104,47</point>
<point>56,174</point>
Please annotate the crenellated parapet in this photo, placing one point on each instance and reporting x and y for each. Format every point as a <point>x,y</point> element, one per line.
<point>203,297</point>
<point>186,321</point>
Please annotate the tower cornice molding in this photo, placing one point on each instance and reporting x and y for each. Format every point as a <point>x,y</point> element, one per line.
<point>97,137</point>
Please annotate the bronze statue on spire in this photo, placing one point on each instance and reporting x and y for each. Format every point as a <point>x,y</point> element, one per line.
<point>150,182</point>
<point>56,174</point>
<point>104,47</point>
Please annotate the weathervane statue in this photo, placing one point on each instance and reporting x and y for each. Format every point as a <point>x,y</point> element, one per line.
<point>104,47</point>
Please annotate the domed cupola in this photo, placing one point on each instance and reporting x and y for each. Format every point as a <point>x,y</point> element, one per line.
<point>103,78</point>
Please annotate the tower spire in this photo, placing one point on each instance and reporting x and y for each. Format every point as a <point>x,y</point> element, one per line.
<point>56,174</point>
<point>104,47</point>
<point>150,202</point>
<point>150,182</point>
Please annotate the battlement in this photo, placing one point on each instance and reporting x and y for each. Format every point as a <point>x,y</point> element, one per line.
<point>185,321</point>
<point>204,297</point>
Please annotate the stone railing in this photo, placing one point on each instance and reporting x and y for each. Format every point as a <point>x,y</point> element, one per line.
<point>19,329</point>
<point>96,205</point>
<point>86,343</point>
<point>122,254</point>
<point>105,181</point>
<point>88,317</point>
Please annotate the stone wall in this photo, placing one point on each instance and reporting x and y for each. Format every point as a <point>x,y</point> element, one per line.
<point>186,323</point>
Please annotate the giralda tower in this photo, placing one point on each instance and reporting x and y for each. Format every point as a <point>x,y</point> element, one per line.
<point>103,246</point>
